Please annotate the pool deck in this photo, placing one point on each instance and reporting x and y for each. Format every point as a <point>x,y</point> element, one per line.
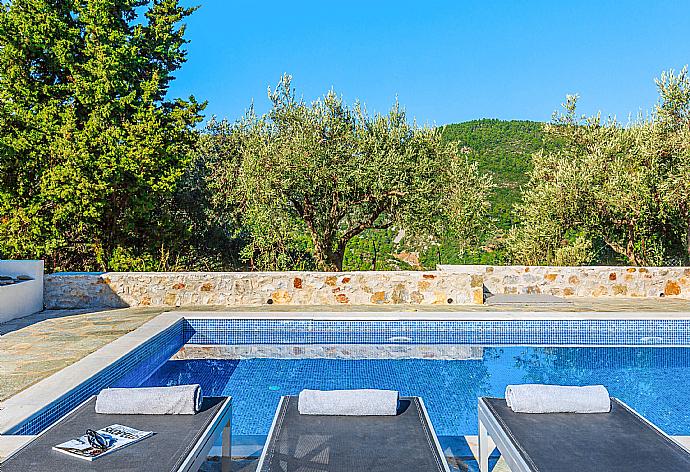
<point>35,347</point>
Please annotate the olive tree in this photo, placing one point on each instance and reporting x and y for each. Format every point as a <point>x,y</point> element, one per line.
<point>306,178</point>
<point>612,189</point>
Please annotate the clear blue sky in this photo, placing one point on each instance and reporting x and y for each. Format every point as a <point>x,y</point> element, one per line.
<point>447,61</point>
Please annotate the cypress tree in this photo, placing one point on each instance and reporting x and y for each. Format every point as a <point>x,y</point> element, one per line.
<point>91,146</point>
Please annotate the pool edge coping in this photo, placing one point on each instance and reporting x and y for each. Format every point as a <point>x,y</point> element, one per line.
<point>506,315</point>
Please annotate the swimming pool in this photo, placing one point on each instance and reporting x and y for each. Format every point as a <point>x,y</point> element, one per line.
<point>645,362</point>
<point>655,381</point>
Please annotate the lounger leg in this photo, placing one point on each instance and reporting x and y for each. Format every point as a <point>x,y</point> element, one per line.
<point>226,456</point>
<point>483,448</point>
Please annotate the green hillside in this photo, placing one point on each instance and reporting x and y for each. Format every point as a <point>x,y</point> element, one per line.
<point>502,149</point>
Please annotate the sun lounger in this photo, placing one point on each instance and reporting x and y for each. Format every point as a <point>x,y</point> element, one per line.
<point>181,442</point>
<point>404,442</point>
<point>618,441</point>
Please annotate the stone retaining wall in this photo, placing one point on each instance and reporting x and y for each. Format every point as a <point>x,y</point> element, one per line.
<point>449,285</point>
<point>121,289</point>
<point>592,281</point>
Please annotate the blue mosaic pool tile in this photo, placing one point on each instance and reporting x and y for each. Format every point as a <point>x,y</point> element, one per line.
<point>528,332</point>
<point>137,364</point>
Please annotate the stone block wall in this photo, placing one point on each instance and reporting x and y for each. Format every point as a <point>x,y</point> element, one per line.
<point>450,285</point>
<point>121,289</point>
<point>591,281</point>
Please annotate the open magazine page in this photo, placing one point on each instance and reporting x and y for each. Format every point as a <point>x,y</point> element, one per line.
<point>116,435</point>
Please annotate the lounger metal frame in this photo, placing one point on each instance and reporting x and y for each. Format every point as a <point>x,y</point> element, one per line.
<point>490,427</point>
<point>264,452</point>
<point>199,453</point>
<point>221,423</point>
<point>437,444</point>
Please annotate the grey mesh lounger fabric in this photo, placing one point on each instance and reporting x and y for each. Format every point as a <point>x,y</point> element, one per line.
<point>618,441</point>
<point>177,438</point>
<point>301,443</point>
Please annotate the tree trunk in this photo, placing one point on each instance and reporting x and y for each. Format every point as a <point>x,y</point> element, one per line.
<point>331,262</point>
<point>687,239</point>
<point>327,259</point>
<point>373,262</point>
<point>336,261</point>
<point>628,251</point>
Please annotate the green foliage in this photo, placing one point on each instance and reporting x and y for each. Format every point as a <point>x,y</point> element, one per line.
<point>90,148</point>
<point>263,240</point>
<point>621,191</point>
<point>332,172</point>
<point>211,241</point>
<point>501,149</point>
<point>99,169</point>
<point>373,250</point>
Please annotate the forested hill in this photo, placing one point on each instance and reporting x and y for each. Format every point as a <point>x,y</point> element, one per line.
<point>503,149</point>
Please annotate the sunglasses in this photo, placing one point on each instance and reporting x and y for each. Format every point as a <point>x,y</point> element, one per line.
<point>96,440</point>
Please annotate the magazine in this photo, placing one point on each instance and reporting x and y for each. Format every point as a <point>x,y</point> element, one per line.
<point>116,436</point>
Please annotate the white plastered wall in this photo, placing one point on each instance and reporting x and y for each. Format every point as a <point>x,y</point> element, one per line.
<point>24,298</point>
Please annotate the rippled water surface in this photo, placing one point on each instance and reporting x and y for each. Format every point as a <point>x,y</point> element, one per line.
<point>654,381</point>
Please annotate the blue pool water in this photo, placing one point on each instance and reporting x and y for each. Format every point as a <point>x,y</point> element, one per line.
<point>655,381</point>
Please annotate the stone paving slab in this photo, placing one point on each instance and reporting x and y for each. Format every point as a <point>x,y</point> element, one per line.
<point>9,444</point>
<point>35,347</point>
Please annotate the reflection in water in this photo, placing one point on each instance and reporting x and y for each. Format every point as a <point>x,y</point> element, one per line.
<point>655,381</point>
<point>212,374</point>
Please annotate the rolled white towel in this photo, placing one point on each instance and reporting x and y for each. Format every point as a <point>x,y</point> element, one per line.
<point>535,398</point>
<point>177,400</point>
<point>364,402</point>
